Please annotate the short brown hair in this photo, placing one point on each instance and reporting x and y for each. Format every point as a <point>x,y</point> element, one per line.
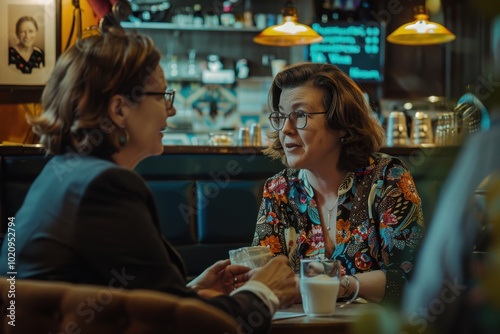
<point>346,108</point>
<point>85,78</point>
<point>25,19</point>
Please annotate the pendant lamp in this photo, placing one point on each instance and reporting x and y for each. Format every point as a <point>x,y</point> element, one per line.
<point>289,32</point>
<point>421,31</point>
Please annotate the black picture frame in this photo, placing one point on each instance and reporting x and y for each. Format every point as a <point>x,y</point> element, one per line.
<point>23,81</point>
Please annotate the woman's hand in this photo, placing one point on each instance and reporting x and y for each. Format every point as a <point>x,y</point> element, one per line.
<point>220,278</point>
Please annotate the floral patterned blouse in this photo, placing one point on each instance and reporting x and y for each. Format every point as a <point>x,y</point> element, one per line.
<point>37,60</point>
<point>379,221</point>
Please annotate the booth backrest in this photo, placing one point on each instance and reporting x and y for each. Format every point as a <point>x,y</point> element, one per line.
<point>207,203</point>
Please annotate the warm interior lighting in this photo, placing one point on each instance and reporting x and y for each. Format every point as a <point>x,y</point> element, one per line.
<point>289,32</point>
<point>421,31</point>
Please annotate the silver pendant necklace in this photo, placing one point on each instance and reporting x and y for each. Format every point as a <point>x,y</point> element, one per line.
<point>330,214</point>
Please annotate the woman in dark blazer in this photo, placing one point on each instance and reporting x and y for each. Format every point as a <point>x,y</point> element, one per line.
<point>88,217</point>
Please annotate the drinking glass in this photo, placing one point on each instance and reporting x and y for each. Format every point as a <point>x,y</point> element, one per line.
<point>252,257</point>
<point>319,286</point>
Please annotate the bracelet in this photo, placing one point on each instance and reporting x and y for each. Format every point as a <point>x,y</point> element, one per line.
<point>345,286</point>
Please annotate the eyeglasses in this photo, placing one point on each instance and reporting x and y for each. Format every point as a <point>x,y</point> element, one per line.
<point>169,96</point>
<point>297,118</point>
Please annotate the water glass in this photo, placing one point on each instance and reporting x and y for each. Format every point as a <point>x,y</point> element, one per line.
<point>220,139</point>
<point>447,129</point>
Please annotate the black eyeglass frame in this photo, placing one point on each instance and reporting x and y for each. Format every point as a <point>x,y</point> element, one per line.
<point>281,115</point>
<point>169,95</point>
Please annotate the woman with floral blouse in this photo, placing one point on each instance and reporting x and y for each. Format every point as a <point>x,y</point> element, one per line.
<point>338,198</point>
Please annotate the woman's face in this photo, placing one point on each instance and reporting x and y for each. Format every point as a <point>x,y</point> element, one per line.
<point>316,145</point>
<point>27,33</point>
<point>147,117</point>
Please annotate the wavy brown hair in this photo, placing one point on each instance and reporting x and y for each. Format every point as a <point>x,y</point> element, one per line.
<point>85,78</point>
<point>346,109</point>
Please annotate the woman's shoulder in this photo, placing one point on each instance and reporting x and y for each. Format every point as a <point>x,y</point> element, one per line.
<point>76,161</point>
<point>37,50</point>
<point>385,160</point>
<point>380,165</point>
<point>84,168</point>
<point>284,178</point>
<point>287,173</point>
<point>87,174</point>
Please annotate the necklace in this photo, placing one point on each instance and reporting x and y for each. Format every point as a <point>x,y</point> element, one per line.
<point>330,211</point>
<point>330,214</point>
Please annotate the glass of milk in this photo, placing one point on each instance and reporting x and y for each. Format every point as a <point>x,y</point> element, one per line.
<point>319,286</point>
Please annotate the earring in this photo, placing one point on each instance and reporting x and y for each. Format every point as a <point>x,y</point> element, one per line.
<point>122,140</point>
<point>343,140</point>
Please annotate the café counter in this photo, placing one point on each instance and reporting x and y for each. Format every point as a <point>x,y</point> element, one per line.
<point>208,196</point>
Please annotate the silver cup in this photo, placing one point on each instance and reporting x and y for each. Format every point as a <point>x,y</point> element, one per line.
<point>397,134</point>
<point>421,129</point>
<point>244,136</point>
<point>256,134</point>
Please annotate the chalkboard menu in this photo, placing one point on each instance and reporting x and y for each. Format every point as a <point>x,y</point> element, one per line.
<point>355,47</point>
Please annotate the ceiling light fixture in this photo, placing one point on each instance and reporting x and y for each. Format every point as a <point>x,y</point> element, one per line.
<point>421,31</point>
<point>289,32</point>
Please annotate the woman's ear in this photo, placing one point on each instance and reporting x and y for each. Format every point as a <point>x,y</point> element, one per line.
<point>344,133</point>
<point>118,110</point>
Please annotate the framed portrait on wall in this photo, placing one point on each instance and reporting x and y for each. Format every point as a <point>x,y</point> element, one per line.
<point>29,44</point>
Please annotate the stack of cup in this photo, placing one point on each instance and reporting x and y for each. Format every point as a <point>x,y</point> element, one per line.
<point>256,135</point>
<point>421,130</point>
<point>244,137</point>
<point>397,134</point>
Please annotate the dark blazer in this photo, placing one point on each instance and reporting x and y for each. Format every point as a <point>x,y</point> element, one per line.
<point>87,220</point>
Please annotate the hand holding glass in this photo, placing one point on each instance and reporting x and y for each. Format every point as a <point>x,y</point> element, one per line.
<point>319,286</point>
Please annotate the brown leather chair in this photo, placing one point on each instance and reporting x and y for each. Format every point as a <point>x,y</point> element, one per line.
<point>58,307</point>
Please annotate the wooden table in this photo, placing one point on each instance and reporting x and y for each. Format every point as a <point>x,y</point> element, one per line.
<point>340,322</point>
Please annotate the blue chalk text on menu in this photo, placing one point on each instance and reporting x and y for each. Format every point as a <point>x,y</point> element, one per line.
<point>356,48</point>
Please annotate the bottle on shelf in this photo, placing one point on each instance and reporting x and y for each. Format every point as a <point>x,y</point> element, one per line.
<point>197,16</point>
<point>193,68</point>
<point>173,67</point>
<point>248,14</point>
<point>211,19</point>
<point>227,16</point>
<point>183,16</point>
